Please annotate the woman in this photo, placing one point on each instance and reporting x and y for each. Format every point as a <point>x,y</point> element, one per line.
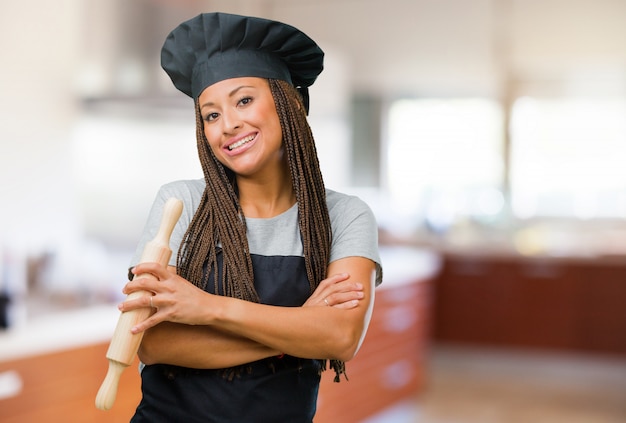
<point>274,275</point>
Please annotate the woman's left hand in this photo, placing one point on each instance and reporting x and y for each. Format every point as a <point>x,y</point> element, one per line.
<point>173,298</point>
<point>336,291</point>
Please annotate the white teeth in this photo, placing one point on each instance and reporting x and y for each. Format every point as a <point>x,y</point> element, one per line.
<point>241,142</point>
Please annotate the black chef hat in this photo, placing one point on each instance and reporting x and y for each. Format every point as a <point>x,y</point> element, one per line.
<point>216,46</point>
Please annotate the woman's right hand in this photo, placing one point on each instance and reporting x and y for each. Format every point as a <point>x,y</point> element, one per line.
<point>336,291</point>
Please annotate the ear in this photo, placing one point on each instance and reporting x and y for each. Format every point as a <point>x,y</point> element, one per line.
<point>304,97</point>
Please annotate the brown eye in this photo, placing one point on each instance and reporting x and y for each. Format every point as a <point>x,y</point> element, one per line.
<point>246,100</point>
<point>210,117</point>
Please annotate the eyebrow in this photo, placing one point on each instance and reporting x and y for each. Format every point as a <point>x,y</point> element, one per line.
<point>230,94</point>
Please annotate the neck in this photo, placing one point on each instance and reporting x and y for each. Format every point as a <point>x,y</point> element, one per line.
<point>266,197</point>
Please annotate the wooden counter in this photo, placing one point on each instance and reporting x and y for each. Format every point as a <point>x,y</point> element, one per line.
<point>51,369</point>
<point>61,387</point>
<point>560,303</point>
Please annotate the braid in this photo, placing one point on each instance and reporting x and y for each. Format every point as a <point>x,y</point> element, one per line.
<point>309,188</point>
<point>307,178</point>
<point>218,222</point>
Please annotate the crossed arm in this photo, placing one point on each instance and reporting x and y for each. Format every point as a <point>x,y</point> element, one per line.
<point>193,328</point>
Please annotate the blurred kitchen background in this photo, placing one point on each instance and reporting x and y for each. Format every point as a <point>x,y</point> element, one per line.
<point>488,136</point>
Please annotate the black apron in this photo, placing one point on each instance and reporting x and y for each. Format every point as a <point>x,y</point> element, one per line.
<point>272,390</point>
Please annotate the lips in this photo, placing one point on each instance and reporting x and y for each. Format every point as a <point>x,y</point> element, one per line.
<point>241,142</point>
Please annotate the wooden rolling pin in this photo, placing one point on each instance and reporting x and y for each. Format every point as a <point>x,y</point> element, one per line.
<point>124,344</point>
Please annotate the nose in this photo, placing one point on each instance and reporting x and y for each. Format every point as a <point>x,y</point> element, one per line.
<point>231,121</point>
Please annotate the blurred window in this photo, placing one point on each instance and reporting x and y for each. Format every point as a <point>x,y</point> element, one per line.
<point>444,159</point>
<point>568,158</point>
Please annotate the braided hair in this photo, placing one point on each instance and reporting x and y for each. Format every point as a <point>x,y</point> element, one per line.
<point>219,222</point>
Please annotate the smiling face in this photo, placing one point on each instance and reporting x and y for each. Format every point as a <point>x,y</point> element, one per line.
<point>241,125</point>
